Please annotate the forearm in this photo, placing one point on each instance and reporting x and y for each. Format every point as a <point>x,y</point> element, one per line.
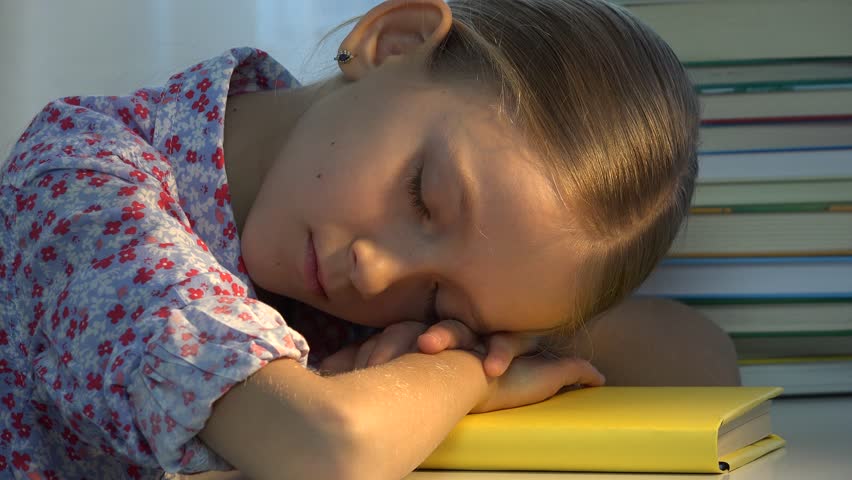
<point>285,421</point>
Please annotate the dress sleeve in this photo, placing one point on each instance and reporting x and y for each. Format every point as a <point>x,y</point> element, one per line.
<point>136,328</point>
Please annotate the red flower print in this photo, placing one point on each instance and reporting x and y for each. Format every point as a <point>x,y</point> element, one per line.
<point>173,144</point>
<point>62,227</point>
<point>143,275</point>
<point>204,85</point>
<point>127,337</point>
<point>175,88</point>
<point>117,313</point>
<point>230,231</point>
<point>164,263</point>
<point>138,175</point>
<point>58,188</point>
<point>189,350</point>
<point>48,253</point>
<point>244,316</point>
<point>27,203</point>
<point>219,158</point>
<point>191,156</point>
<point>9,401</point>
<point>213,114</point>
<point>112,228</point>
<point>54,115</point>
<point>137,313</point>
<point>201,103</point>
<point>102,263</point>
<point>38,290</point>
<point>127,191</point>
<point>81,174</point>
<point>141,111</point>
<point>126,255</point>
<point>124,113</point>
<point>66,357</point>
<point>222,195</point>
<point>50,217</point>
<point>96,382</point>
<point>21,461</point>
<point>134,211</point>
<point>75,100</point>
<point>67,123</point>
<point>45,181</point>
<point>160,174</point>
<point>105,348</point>
<point>165,201</point>
<point>99,181</point>
<point>35,231</point>
<point>195,293</point>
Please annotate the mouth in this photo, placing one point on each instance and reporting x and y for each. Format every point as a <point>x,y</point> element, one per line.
<point>312,271</point>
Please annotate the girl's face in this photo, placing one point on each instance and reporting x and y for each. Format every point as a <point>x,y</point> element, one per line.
<point>417,203</point>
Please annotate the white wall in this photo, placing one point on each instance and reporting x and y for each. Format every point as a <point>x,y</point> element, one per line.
<point>55,48</point>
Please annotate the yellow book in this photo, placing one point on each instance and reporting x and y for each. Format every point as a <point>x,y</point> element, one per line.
<point>618,429</point>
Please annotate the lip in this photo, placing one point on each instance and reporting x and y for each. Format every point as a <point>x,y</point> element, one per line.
<point>312,270</point>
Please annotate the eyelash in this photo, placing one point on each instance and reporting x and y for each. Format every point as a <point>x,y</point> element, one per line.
<point>415,189</point>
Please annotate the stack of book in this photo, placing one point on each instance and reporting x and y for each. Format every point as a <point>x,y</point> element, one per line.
<point>767,251</point>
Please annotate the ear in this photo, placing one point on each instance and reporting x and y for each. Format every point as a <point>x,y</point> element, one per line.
<point>395,27</point>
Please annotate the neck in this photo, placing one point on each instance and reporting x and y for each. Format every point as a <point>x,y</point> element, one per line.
<point>257,127</point>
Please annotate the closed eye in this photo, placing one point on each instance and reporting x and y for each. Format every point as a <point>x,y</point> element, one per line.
<point>415,190</point>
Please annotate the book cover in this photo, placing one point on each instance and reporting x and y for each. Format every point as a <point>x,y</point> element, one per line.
<point>614,429</point>
<point>767,75</point>
<point>834,191</point>
<point>776,165</point>
<point>750,277</point>
<point>812,229</point>
<point>736,107</point>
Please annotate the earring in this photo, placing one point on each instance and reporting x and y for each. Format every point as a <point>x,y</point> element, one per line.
<point>343,56</point>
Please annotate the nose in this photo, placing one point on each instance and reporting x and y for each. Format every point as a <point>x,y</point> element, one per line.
<point>374,268</point>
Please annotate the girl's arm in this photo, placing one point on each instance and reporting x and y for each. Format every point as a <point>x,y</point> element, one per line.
<point>378,423</point>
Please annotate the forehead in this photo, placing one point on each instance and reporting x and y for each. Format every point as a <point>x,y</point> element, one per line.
<point>520,263</point>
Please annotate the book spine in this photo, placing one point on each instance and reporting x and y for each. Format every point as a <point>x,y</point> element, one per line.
<point>773,208</point>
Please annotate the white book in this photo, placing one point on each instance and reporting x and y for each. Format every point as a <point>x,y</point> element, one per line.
<point>775,165</point>
<point>792,277</point>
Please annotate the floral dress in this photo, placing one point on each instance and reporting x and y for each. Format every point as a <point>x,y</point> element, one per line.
<point>125,307</point>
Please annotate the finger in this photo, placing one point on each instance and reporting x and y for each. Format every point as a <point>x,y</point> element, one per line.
<point>340,361</point>
<point>363,355</point>
<point>446,335</point>
<point>579,371</point>
<point>394,341</point>
<point>503,348</point>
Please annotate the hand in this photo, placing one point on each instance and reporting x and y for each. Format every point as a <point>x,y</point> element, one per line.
<point>394,341</point>
<point>503,347</point>
<point>533,379</point>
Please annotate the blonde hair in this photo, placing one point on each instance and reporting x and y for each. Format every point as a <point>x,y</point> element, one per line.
<point>611,111</point>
